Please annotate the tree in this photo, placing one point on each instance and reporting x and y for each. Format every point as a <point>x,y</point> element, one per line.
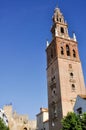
<point>74,122</point>
<point>2,125</point>
<point>83,121</point>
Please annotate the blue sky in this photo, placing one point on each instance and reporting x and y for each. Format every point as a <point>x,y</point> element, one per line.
<point>24,27</point>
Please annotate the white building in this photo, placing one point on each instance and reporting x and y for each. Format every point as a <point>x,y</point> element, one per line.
<point>80,104</point>
<point>43,119</point>
<point>3,117</point>
<point>46,125</point>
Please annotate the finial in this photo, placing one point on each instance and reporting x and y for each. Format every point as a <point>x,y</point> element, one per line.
<point>47,43</point>
<point>74,37</point>
<point>56,8</point>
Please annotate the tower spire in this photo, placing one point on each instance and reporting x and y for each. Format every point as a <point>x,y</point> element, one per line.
<point>60,27</point>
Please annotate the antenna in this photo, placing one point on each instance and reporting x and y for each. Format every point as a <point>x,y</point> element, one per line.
<point>57,4</point>
<point>57,7</point>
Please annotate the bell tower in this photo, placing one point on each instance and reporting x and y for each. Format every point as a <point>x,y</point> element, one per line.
<point>64,72</point>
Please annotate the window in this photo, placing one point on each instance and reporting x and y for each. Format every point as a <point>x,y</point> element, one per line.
<point>53,78</point>
<point>54,92</point>
<point>25,128</point>
<point>73,86</point>
<point>25,122</point>
<point>70,66</point>
<point>62,30</point>
<point>67,50</point>
<point>74,53</point>
<point>60,20</point>
<point>3,115</point>
<point>52,85</point>
<point>79,110</point>
<point>62,51</point>
<point>71,74</point>
<point>7,121</point>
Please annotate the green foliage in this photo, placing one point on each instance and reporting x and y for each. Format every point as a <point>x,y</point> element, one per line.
<point>83,121</point>
<point>74,122</point>
<point>2,125</point>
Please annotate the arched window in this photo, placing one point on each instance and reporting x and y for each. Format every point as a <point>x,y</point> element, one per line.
<point>60,19</point>
<point>62,30</point>
<point>62,51</point>
<point>25,128</point>
<point>67,50</point>
<point>71,74</point>
<point>73,86</point>
<point>57,18</point>
<point>74,53</point>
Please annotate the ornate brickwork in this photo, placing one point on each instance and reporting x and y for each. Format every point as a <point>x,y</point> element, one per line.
<point>64,72</point>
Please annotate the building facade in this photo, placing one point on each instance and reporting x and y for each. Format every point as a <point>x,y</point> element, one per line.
<point>3,117</point>
<point>43,119</point>
<point>17,121</point>
<point>80,104</point>
<point>64,71</point>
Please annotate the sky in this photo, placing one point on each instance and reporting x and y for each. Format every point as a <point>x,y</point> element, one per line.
<point>24,28</point>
